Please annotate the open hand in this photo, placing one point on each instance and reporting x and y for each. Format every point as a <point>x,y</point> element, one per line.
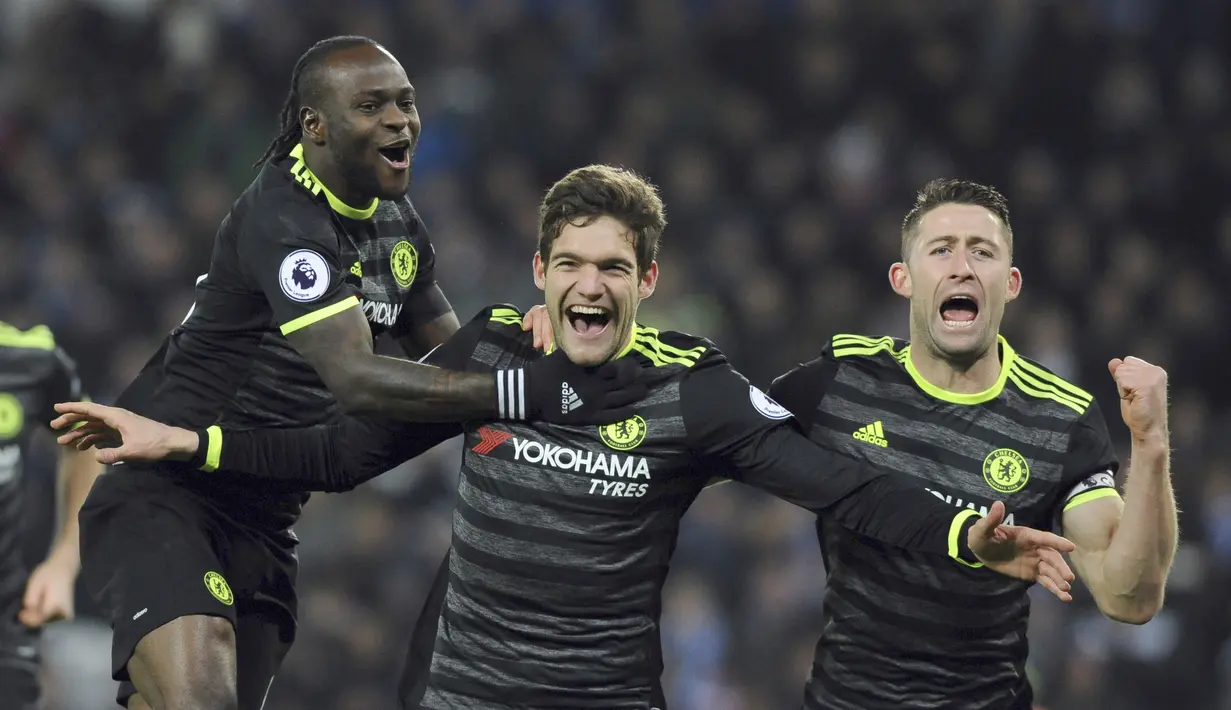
<point>119,435</point>
<point>1021,552</point>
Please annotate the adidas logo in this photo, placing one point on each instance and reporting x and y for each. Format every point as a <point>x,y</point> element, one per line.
<point>873,433</point>
<point>568,398</point>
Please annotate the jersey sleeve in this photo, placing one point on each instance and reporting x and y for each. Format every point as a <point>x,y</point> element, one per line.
<point>800,390</point>
<point>425,301</point>
<point>293,256</point>
<point>1091,465</point>
<point>62,384</point>
<point>342,455</point>
<point>733,421</point>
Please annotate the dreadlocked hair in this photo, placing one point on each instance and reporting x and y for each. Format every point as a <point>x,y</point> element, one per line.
<point>309,63</point>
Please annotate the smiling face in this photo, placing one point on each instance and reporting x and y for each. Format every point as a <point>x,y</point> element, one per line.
<point>958,275</point>
<point>368,120</point>
<point>592,288</point>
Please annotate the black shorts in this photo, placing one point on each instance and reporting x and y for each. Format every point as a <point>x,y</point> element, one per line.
<point>153,551</point>
<point>19,665</point>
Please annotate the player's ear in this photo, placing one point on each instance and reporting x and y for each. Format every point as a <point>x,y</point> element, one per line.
<point>540,272</point>
<point>899,279</point>
<point>1015,284</point>
<point>313,125</point>
<point>649,280</point>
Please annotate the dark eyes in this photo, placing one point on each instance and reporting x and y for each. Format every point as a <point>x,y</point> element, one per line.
<point>372,107</point>
<point>613,268</point>
<point>981,252</point>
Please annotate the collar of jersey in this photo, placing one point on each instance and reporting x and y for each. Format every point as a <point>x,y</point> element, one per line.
<point>301,170</point>
<point>632,340</point>
<point>1007,355</point>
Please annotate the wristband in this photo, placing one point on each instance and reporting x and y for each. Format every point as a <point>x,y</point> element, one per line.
<point>510,394</point>
<point>959,539</point>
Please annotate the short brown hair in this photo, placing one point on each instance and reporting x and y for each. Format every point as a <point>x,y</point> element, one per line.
<point>944,191</point>
<point>587,194</point>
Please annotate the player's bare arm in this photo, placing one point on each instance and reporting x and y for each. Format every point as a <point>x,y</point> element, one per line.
<point>340,349</point>
<point>51,587</point>
<point>1125,547</point>
<point>738,425</point>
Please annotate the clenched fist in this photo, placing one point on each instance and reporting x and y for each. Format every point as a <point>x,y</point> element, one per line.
<point>1143,396</point>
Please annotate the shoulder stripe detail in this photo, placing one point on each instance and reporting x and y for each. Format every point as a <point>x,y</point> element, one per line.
<point>1088,496</point>
<point>1057,381</point>
<point>319,315</point>
<point>647,342</point>
<point>854,338</point>
<point>1033,387</point>
<point>39,337</point>
<point>846,345</point>
<point>506,316</point>
<point>653,334</point>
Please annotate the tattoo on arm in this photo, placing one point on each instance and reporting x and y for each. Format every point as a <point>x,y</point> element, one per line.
<point>340,349</point>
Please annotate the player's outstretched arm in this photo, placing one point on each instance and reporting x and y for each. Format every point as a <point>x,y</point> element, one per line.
<point>330,458</point>
<point>293,258</point>
<point>340,348</point>
<point>729,419</point>
<point>1125,547</point>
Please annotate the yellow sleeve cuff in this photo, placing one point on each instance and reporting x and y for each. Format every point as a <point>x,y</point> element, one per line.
<point>955,537</point>
<point>213,452</point>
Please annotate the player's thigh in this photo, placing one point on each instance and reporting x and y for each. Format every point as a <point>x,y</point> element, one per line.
<point>149,560</point>
<point>262,642</point>
<point>188,662</point>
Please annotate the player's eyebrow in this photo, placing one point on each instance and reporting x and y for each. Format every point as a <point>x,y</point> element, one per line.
<point>603,264</point>
<point>953,238</point>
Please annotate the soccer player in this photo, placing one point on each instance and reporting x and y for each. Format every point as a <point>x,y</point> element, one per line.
<point>563,534</point>
<point>322,253</point>
<point>34,375</point>
<point>976,422</point>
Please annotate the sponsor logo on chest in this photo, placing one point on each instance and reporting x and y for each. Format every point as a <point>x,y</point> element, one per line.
<point>612,474</point>
<point>380,313</point>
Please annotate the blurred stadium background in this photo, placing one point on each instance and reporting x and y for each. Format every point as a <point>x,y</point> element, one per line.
<point>788,137</point>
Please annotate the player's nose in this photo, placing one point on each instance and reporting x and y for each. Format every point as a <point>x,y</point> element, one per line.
<point>395,118</point>
<point>589,281</point>
<point>960,266</point>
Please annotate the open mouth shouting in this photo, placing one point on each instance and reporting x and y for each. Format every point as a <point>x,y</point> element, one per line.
<point>959,311</point>
<point>396,154</point>
<point>588,321</point>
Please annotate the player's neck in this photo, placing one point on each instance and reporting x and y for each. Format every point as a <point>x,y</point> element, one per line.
<point>329,175</point>
<point>974,377</point>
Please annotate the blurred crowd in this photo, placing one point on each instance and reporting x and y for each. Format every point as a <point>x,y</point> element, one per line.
<point>788,137</point>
